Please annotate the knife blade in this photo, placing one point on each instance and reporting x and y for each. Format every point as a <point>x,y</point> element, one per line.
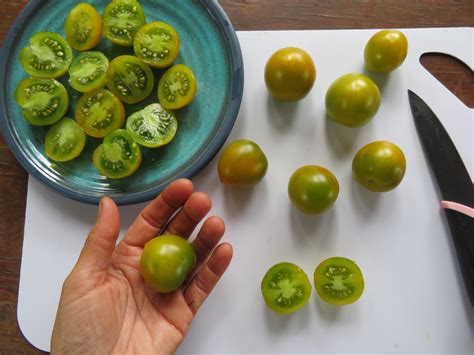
<point>454,183</point>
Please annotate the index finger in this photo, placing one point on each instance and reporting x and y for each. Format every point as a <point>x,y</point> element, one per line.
<point>154,217</point>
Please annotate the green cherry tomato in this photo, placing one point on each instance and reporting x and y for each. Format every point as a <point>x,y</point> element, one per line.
<point>339,281</point>
<point>352,100</point>
<point>290,74</point>
<point>379,166</point>
<point>285,288</point>
<point>177,87</point>
<point>157,44</point>
<point>99,112</point>
<point>242,163</point>
<point>43,101</point>
<point>385,51</point>
<point>118,156</point>
<point>83,27</point>
<point>153,126</point>
<point>122,20</point>
<point>166,262</point>
<point>313,189</point>
<point>129,79</point>
<point>88,71</point>
<point>48,55</point>
<point>64,141</point>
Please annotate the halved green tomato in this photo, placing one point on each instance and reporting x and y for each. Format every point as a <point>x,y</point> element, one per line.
<point>64,141</point>
<point>43,101</point>
<point>129,79</point>
<point>88,71</point>
<point>157,44</point>
<point>47,56</point>
<point>83,27</point>
<point>285,288</point>
<point>339,281</point>
<point>177,87</point>
<point>122,20</point>
<point>153,126</point>
<point>99,113</point>
<point>118,156</point>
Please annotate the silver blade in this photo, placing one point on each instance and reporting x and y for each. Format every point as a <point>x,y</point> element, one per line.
<point>451,174</point>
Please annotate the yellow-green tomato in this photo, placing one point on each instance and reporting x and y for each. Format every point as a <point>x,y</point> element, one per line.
<point>166,262</point>
<point>379,166</point>
<point>242,163</point>
<point>352,100</point>
<point>290,74</point>
<point>313,189</point>
<point>385,51</point>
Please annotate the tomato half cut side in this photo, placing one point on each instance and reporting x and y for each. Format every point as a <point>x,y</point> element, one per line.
<point>43,101</point>
<point>122,20</point>
<point>153,126</point>
<point>88,71</point>
<point>48,55</point>
<point>83,27</point>
<point>285,288</point>
<point>99,113</point>
<point>177,87</point>
<point>157,44</point>
<point>129,79</point>
<point>119,156</point>
<point>339,281</point>
<point>64,141</point>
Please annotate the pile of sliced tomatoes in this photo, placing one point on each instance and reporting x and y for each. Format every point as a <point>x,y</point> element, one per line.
<point>106,85</point>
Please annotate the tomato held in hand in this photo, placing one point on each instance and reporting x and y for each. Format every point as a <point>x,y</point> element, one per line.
<point>166,262</point>
<point>385,51</point>
<point>339,281</point>
<point>285,288</point>
<point>290,74</point>
<point>313,189</point>
<point>352,100</point>
<point>379,166</point>
<point>242,163</point>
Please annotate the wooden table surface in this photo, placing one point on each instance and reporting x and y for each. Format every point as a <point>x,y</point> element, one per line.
<point>245,15</point>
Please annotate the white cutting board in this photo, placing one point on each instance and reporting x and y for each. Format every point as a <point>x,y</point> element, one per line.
<point>414,300</point>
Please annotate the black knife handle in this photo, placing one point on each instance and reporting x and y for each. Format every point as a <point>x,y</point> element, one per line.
<point>462,231</point>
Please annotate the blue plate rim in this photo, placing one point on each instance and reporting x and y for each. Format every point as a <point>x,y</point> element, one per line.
<point>230,115</point>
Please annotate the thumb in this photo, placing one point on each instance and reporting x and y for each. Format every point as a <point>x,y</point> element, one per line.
<point>100,244</point>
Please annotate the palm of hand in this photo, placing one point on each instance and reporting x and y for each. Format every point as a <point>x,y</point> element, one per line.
<point>105,306</point>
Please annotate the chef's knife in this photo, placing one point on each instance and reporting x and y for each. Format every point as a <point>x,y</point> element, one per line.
<point>454,184</point>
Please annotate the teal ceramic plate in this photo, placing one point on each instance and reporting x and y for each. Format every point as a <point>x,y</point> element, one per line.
<point>209,46</point>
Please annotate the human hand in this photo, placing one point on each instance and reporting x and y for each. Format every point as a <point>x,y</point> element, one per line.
<point>106,307</point>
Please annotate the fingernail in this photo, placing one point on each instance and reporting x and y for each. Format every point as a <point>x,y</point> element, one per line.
<point>101,203</point>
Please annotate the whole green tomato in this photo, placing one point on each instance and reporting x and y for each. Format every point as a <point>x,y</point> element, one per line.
<point>379,166</point>
<point>352,100</point>
<point>290,74</point>
<point>166,262</point>
<point>385,51</point>
<point>313,189</point>
<point>242,163</point>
